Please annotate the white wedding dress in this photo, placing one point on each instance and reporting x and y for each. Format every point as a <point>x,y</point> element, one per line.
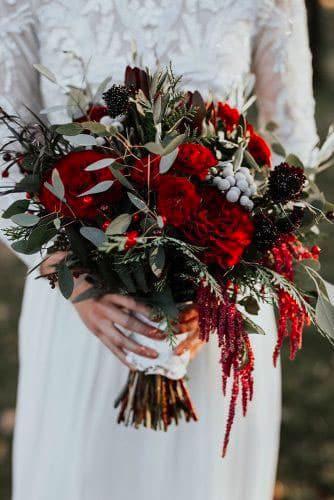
<point>67,445</point>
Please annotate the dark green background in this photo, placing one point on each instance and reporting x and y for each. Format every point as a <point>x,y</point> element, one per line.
<point>306,469</point>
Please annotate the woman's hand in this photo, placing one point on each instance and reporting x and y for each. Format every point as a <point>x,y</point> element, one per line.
<point>188,322</point>
<point>101,315</point>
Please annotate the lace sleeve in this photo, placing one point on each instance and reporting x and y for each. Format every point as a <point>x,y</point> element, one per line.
<point>283,69</point>
<point>19,83</point>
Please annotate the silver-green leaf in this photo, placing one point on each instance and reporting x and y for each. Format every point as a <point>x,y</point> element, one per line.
<point>25,220</point>
<point>94,235</point>
<point>119,225</point>
<point>101,187</point>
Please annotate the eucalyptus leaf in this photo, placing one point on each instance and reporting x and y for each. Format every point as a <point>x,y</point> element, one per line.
<point>94,235</point>
<point>101,88</point>
<point>18,207</point>
<point>43,70</point>
<point>252,327</point>
<point>98,165</point>
<point>101,187</point>
<point>238,157</point>
<point>25,220</point>
<point>57,184</point>
<point>173,144</point>
<point>99,128</point>
<point>22,246</point>
<point>121,178</point>
<point>167,161</point>
<point>69,129</point>
<point>278,149</point>
<point>29,183</point>
<point>324,312</point>
<point>250,304</point>
<point>65,280</point>
<point>52,190</point>
<point>119,225</point>
<point>157,260</point>
<point>81,140</point>
<point>154,148</point>
<point>292,159</point>
<point>138,202</point>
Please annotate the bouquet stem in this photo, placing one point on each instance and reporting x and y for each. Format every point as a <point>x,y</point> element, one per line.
<point>154,401</point>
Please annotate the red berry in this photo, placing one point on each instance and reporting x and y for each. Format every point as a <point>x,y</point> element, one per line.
<point>315,250</point>
<point>105,225</point>
<point>131,239</point>
<point>135,217</point>
<point>5,174</point>
<point>88,200</point>
<point>28,196</point>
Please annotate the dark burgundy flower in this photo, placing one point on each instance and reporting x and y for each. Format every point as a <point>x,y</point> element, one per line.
<point>286,183</point>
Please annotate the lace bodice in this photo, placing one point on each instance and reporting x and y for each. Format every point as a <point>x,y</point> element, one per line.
<point>216,45</point>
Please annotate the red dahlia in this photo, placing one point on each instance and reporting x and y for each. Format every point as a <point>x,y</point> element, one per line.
<point>77,180</point>
<point>194,159</point>
<point>224,229</point>
<point>177,200</point>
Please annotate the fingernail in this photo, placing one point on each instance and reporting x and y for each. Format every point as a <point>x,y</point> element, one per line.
<point>149,352</point>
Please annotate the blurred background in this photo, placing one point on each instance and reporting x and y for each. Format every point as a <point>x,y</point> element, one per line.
<point>306,466</point>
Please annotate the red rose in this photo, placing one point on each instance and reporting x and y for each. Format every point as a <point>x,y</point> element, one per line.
<point>144,168</point>
<point>258,147</point>
<point>77,180</point>
<point>177,200</point>
<point>94,113</point>
<point>228,115</point>
<point>224,229</point>
<point>194,159</point>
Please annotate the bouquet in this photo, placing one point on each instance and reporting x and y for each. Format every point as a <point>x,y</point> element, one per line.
<point>153,193</point>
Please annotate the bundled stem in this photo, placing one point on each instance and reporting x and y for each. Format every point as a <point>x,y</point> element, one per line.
<point>154,401</point>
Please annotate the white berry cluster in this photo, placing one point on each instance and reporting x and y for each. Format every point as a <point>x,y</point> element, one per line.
<point>238,186</point>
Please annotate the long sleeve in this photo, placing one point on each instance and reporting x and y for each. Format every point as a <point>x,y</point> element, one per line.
<point>19,84</point>
<point>283,69</point>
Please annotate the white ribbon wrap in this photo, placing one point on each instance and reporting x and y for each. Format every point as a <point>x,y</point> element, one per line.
<point>167,363</point>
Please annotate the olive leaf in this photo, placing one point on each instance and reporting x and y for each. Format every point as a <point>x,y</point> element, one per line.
<point>292,159</point>
<point>238,157</point>
<point>98,165</point>
<point>138,202</point>
<point>69,129</point>
<point>18,207</point>
<point>119,225</point>
<point>167,161</point>
<point>278,149</point>
<point>155,148</point>
<point>94,235</point>
<point>57,184</point>
<point>121,178</point>
<point>99,128</point>
<point>252,327</point>
<point>65,280</point>
<point>157,260</point>
<point>25,220</point>
<point>101,187</point>
<point>43,70</point>
<point>81,140</point>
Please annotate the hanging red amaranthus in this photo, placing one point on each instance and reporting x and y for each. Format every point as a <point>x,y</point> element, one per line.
<point>292,317</point>
<point>236,359</point>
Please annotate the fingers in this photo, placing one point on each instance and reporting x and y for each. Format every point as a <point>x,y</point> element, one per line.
<point>189,326</point>
<point>131,323</point>
<point>118,353</point>
<point>187,344</point>
<point>188,314</point>
<point>116,338</point>
<point>128,303</point>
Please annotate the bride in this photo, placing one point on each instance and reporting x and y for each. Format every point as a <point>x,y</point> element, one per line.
<point>67,445</point>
